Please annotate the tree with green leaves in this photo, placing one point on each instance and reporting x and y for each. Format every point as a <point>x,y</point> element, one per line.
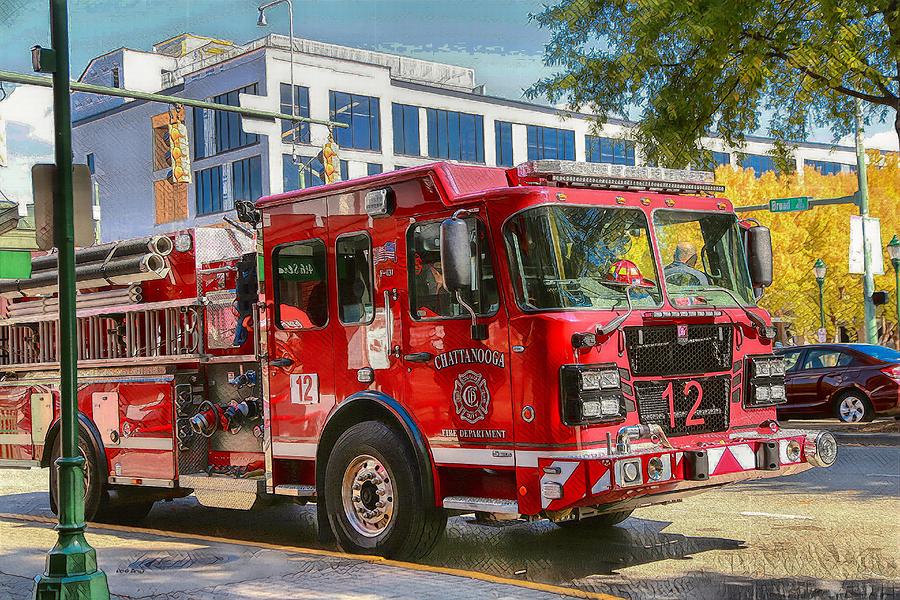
<point>698,66</point>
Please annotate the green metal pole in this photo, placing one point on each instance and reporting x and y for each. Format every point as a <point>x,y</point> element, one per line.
<point>821,283</point>
<point>71,570</point>
<point>896,263</point>
<point>871,327</point>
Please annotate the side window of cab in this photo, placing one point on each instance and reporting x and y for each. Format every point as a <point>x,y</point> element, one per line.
<point>428,296</point>
<point>301,291</point>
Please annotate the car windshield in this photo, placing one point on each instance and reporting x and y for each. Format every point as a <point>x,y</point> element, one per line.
<point>703,257</point>
<point>581,257</point>
<point>879,353</point>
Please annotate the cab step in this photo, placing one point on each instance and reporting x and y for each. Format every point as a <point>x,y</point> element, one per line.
<point>300,491</point>
<point>488,505</point>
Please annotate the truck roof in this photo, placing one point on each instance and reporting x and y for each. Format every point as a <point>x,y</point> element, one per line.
<point>457,183</point>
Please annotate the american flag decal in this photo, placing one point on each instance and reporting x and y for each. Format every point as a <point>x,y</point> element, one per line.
<point>386,253</point>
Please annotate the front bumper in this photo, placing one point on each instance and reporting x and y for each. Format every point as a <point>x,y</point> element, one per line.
<point>651,473</point>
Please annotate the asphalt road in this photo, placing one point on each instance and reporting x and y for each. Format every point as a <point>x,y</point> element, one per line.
<point>821,534</point>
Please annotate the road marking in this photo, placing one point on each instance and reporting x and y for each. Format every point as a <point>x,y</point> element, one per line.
<point>776,516</point>
<point>882,475</point>
<point>541,587</point>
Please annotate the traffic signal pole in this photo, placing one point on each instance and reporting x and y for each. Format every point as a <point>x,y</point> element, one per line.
<point>871,327</point>
<point>71,568</point>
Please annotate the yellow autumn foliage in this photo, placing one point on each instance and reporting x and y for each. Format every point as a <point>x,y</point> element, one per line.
<point>799,238</point>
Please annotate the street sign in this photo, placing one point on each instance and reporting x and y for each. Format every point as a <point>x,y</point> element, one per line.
<point>15,264</point>
<point>43,182</point>
<point>789,204</point>
<point>821,335</point>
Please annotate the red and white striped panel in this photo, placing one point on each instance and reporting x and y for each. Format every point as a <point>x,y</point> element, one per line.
<point>731,459</point>
<point>571,477</point>
<point>599,477</point>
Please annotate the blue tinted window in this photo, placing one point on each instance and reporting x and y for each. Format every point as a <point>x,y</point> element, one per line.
<point>208,190</point>
<point>609,150</point>
<point>199,138</point>
<point>345,170</point>
<point>296,132</point>
<point>91,164</point>
<point>503,143</point>
<point>455,135</point>
<point>550,143</point>
<point>824,167</point>
<point>246,180</point>
<point>760,163</point>
<point>229,132</point>
<point>361,114</point>
<point>373,168</point>
<point>406,129</point>
<point>312,172</point>
<point>716,159</point>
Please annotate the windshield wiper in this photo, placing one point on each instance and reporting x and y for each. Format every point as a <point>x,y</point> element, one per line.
<point>617,322</point>
<point>757,320</point>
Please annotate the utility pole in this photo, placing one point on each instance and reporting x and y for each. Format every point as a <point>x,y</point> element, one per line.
<point>871,327</point>
<point>71,570</point>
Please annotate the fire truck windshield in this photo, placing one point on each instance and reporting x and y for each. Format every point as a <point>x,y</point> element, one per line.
<point>702,252</point>
<point>581,257</point>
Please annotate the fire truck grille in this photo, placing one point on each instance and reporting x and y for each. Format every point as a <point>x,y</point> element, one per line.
<point>661,351</point>
<point>700,405</point>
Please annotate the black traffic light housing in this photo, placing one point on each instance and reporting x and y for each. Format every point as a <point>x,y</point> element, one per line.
<point>879,298</point>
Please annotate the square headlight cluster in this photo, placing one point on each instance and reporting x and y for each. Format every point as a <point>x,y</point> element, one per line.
<point>591,394</point>
<point>765,375</point>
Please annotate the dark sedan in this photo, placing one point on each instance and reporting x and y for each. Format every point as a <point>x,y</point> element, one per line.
<point>853,382</point>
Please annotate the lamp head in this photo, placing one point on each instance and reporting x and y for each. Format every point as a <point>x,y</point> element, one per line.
<point>819,269</point>
<point>893,248</point>
<point>261,21</point>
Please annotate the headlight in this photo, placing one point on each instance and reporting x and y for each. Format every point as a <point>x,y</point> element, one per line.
<point>765,381</point>
<point>591,394</point>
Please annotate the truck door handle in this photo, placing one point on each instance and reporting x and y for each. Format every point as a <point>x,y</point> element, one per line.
<point>418,357</point>
<point>281,362</point>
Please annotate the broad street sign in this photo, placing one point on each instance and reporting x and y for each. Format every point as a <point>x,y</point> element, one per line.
<point>789,204</point>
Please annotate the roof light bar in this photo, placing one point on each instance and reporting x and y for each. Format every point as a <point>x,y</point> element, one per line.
<point>620,177</point>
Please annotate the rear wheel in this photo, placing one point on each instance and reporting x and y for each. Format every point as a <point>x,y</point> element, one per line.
<point>854,407</point>
<point>94,487</point>
<point>125,507</point>
<point>600,521</point>
<point>374,497</point>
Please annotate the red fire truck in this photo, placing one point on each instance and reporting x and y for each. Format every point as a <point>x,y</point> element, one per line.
<point>558,340</point>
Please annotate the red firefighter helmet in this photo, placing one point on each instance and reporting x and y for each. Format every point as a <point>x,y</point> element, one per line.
<point>627,273</point>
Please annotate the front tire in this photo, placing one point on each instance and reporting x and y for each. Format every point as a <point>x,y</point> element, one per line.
<point>375,499</point>
<point>853,407</point>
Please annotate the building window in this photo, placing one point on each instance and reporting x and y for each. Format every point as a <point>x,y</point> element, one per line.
<point>504,144</point>
<point>91,164</point>
<point>361,114</point>
<point>161,156</point>
<point>716,159</point>
<point>406,129</point>
<point>428,297</point>
<point>824,167</point>
<point>295,132</point>
<point>345,170</point>
<point>199,140</point>
<point>116,81</point>
<point>312,172</point>
<point>760,163</point>
<point>208,190</point>
<point>550,143</point>
<point>246,180</point>
<point>373,168</point>
<point>229,134</point>
<point>455,135</point>
<point>300,285</point>
<point>353,263</point>
<point>609,150</point>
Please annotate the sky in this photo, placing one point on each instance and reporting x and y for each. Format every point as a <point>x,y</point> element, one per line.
<point>495,37</point>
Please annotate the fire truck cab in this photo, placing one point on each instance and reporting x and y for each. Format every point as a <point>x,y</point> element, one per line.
<point>558,340</point>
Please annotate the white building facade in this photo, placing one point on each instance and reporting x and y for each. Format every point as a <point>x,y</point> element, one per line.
<point>400,112</point>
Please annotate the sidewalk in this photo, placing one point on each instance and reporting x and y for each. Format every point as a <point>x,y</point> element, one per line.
<point>884,431</point>
<point>154,566</point>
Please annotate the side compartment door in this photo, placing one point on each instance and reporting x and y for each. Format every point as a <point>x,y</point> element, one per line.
<point>460,387</point>
<point>299,366</point>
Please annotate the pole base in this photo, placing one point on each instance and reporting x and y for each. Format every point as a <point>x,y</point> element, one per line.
<point>72,573</point>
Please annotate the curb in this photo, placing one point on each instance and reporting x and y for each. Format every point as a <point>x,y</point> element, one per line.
<point>867,439</point>
<point>541,587</point>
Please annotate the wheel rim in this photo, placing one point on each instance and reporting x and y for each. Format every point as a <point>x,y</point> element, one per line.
<point>852,409</point>
<point>367,492</point>
<point>85,472</point>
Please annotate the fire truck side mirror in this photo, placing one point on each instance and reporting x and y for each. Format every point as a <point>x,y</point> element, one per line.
<point>759,256</point>
<point>456,255</point>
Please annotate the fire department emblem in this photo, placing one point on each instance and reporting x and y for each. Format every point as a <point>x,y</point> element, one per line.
<point>471,397</point>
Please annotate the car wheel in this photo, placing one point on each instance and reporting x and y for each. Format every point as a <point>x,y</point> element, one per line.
<point>374,497</point>
<point>853,407</point>
<point>94,486</point>
<point>600,521</point>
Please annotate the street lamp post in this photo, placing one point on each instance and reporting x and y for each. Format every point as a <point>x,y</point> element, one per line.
<point>819,269</point>
<point>893,249</point>
<point>261,21</point>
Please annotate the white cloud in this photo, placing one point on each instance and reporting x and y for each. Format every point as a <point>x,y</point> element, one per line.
<point>15,179</point>
<point>32,107</point>
<point>883,140</point>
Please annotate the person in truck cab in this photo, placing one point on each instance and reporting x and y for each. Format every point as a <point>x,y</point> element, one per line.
<point>431,293</point>
<point>681,270</point>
